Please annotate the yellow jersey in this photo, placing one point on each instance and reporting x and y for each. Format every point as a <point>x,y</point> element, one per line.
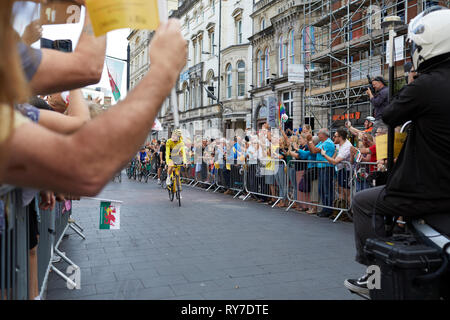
<point>177,148</point>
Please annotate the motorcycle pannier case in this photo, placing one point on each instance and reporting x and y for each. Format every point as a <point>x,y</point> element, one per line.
<point>401,260</point>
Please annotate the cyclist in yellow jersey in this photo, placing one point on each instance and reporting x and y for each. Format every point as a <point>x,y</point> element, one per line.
<point>174,146</point>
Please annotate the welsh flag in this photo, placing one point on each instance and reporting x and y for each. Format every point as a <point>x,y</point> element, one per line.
<point>114,88</point>
<point>109,215</point>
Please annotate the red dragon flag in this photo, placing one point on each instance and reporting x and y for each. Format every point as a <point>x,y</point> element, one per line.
<point>109,215</point>
<point>114,88</point>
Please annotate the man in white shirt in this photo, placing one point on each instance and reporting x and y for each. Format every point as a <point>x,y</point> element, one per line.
<point>343,172</point>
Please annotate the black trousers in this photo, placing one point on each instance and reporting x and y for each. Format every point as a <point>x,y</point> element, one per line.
<point>374,201</point>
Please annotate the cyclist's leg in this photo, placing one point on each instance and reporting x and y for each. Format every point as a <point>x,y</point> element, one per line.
<point>169,173</point>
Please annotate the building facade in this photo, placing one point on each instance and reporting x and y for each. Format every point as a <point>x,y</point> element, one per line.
<point>139,64</point>
<point>198,112</point>
<point>213,88</point>
<point>236,64</point>
<point>241,51</point>
<point>276,45</point>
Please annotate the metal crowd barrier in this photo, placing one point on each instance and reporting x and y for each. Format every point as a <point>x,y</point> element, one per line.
<point>316,183</point>
<point>266,178</point>
<point>364,176</point>
<point>188,174</point>
<point>14,245</point>
<point>153,168</point>
<point>203,175</point>
<point>230,177</point>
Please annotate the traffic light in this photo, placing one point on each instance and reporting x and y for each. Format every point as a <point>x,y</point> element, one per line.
<point>210,92</point>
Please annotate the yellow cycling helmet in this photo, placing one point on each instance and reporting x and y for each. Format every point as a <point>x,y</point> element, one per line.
<point>177,132</point>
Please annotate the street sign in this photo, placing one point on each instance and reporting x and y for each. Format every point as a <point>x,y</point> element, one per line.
<point>184,76</point>
<point>272,106</point>
<point>399,46</point>
<point>296,73</point>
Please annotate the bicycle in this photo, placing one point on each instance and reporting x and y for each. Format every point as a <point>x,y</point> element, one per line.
<point>175,188</point>
<point>131,170</point>
<point>163,177</point>
<point>145,171</point>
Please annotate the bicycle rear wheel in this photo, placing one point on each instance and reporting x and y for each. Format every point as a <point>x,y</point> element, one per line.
<point>140,174</point>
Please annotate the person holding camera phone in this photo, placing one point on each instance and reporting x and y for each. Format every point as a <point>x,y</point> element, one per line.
<point>64,67</point>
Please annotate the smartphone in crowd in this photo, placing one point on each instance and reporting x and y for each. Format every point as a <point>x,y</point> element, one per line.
<point>64,45</point>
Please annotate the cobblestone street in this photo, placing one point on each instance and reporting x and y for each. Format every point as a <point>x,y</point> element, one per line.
<point>213,247</point>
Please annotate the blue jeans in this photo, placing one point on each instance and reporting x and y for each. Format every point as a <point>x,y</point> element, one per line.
<point>280,179</point>
<point>362,185</point>
<point>326,184</point>
<point>293,180</point>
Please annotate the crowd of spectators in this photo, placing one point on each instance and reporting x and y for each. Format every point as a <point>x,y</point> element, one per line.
<point>316,171</point>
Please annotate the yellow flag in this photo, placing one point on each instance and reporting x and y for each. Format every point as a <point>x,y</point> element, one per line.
<point>381,142</point>
<point>108,15</point>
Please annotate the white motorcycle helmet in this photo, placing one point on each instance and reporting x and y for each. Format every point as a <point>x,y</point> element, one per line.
<point>428,34</point>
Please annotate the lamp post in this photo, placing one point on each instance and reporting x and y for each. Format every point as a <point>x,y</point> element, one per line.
<point>390,23</point>
<point>218,71</point>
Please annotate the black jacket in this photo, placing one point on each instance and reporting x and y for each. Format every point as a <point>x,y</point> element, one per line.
<point>422,170</point>
<point>380,101</point>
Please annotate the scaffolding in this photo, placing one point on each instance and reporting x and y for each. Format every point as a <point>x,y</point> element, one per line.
<point>343,42</point>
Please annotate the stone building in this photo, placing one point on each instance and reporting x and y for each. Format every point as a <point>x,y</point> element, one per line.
<point>198,112</point>
<point>277,44</point>
<point>236,64</point>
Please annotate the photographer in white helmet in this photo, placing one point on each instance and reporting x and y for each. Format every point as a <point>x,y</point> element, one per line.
<point>419,184</point>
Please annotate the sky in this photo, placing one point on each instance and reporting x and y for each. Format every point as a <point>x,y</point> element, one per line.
<point>116,40</point>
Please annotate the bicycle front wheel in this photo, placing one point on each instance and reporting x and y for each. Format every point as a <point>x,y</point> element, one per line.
<point>170,193</point>
<point>178,191</point>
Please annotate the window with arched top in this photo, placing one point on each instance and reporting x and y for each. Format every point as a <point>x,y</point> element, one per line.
<point>239,31</point>
<point>193,96</point>
<point>241,78</point>
<point>282,56</point>
<point>210,83</point>
<point>291,47</point>
<point>185,96</point>
<point>259,68</point>
<point>266,64</point>
<point>229,81</point>
<point>262,24</point>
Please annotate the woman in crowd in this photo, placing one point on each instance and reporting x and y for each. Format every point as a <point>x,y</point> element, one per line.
<point>309,184</point>
<point>297,172</point>
<point>280,176</point>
